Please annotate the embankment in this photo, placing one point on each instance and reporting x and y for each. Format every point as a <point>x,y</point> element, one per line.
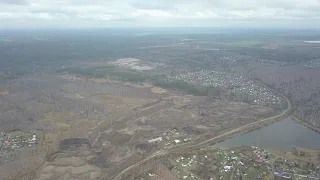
<point>242,129</point>
<point>224,136</point>
<point>306,124</point>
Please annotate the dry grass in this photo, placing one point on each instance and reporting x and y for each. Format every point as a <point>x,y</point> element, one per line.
<point>158,90</point>
<point>62,125</point>
<point>57,116</point>
<point>3,90</point>
<point>79,96</point>
<point>57,120</point>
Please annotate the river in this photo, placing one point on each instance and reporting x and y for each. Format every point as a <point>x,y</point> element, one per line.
<point>284,135</point>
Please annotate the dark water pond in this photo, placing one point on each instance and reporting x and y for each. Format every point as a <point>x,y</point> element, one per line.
<point>284,135</point>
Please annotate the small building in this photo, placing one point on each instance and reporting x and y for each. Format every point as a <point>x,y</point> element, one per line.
<point>34,138</point>
<point>281,176</point>
<point>176,141</point>
<point>158,139</point>
<point>227,168</point>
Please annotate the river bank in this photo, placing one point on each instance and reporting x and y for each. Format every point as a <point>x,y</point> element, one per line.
<point>231,133</point>
<point>247,162</point>
<point>306,124</point>
<point>283,135</point>
<point>243,129</point>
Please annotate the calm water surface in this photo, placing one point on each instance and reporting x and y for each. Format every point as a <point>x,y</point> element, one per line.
<point>284,135</point>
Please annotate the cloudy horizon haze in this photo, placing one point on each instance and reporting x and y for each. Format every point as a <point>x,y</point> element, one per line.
<point>159,13</point>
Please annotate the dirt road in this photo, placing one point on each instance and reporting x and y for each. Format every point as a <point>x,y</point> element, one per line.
<point>153,107</point>
<point>248,127</point>
<point>221,137</point>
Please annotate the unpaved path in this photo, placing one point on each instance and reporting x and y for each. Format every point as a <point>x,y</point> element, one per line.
<point>158,105</point>
<point>229,134</point>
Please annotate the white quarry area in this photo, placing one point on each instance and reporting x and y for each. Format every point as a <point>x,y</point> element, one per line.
<point>133,63</point>
<point>312,42</point>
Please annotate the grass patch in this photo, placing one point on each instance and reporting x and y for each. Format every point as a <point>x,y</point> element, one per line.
<point>62,125</point>
<point>241,43</point>
<point>158,90</point>
<point>257,43</point>
<point>3,90</point>
<point>128,75</point>
<point>182,86</point>
<point>108,71</point>
<point>25,135</point>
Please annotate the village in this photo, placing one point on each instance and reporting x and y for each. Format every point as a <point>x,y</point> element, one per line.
<point>239,163</point>
<point>14,141</point>
<point>235,86</point>
<point>234,163</point>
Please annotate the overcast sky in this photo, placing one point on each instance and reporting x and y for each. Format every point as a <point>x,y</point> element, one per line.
<point>159,13</point>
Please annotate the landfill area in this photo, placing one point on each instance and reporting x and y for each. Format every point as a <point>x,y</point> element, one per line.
<point>11,142</point>
<point>241,163</point>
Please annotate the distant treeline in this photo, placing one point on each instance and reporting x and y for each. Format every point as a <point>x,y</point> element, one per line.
<point>122,74</point>
<point>182,86</point>
<point>189,88</point>
<point>107,71</point>
<point>11,74</point>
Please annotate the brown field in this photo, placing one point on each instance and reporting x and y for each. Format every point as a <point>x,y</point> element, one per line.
<point>116,119</point>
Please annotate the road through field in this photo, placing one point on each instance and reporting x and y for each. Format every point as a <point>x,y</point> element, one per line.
<point>250,126</point>
<point>133,116</point>
<point>234,132</point>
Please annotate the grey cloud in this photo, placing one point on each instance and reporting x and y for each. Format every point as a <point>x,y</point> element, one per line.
<point>164,5</point>
<point>124,20</point>
<point>53,11</point>
<point>19,2</point>
<point>159,12</point>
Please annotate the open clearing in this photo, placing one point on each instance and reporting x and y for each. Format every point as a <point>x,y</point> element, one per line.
<point>117,120</point>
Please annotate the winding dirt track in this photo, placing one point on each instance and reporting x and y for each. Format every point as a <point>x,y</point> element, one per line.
<point>234,132</point>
